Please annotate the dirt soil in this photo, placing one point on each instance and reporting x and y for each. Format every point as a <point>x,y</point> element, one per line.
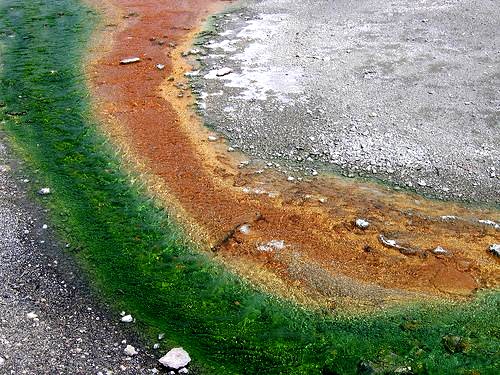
<point>242,215</point>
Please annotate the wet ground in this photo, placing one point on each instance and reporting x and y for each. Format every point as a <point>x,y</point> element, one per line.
<point>405,92</point>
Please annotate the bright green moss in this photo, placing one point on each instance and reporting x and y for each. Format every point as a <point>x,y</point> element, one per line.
<point>139,262</point>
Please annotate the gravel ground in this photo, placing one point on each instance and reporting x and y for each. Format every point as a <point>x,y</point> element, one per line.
<point>72,333</point>
<point>406,92</point>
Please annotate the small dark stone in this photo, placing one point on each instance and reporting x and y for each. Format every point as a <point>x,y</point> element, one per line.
<point>455,344</point>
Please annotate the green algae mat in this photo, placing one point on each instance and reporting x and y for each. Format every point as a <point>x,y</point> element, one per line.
<point>139,261</point>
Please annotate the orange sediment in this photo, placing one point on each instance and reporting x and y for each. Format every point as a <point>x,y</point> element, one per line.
<point>324,257</point>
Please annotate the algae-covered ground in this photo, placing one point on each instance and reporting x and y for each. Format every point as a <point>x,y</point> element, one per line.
<point>140,262</point>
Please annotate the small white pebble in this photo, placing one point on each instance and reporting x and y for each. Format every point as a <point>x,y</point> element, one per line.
<point>362,224</point>
<point>439,251</point>
<point>245,229</point>
<point>31,315</point>
<point>127,319</point>
<point>44,191</point>
<point>130,350</point>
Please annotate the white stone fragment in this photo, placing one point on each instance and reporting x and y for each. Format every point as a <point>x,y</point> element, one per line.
<point>194,73</point>
<point>31,315</point>
<point>160,66</point>
<point>127,319</point>
<point>495,249</point>
<point>175,358</point>
<point>440,251</point>
<point>130,60</point>
<point>387,242</point>
<point>223,72</point>
<point>362,224</point>
<point>245,229</point>
<point>448,217</point>
<point>130,351</point>
<point>490,223</point>
<point>44,191</point>
<point>272,245</point>
<point>212,138</point>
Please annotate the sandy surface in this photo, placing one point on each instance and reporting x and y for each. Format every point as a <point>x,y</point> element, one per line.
<point>73,332</point>
<point>406,92</point>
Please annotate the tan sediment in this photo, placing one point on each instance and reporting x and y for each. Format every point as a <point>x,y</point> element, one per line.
<point>326,260</point>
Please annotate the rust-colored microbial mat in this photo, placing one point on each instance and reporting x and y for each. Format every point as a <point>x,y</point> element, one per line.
<point>295,239</point>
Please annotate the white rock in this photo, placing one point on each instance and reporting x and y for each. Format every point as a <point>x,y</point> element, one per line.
<point>362,224</point>
<point>495,249</point>
<point>387,242</point>
<point>31,315</point>
<point>272,245</point>
<point>160,66</point>
<point>44,191</point>
<point>212,138</point>
<point>193,73</point>
<point>175,358</point>
<point>130,60</point>
<point>291,178</point>
<point>439,251</point>
<point>183,371</point>
<point>223,72</point>
<point>490,223</point>
<point>448,217</point>
<point>156,346</point>
<point>161,336</point>
<point>130,350</point>
<point>245,229</point>
<point>127,319</point>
